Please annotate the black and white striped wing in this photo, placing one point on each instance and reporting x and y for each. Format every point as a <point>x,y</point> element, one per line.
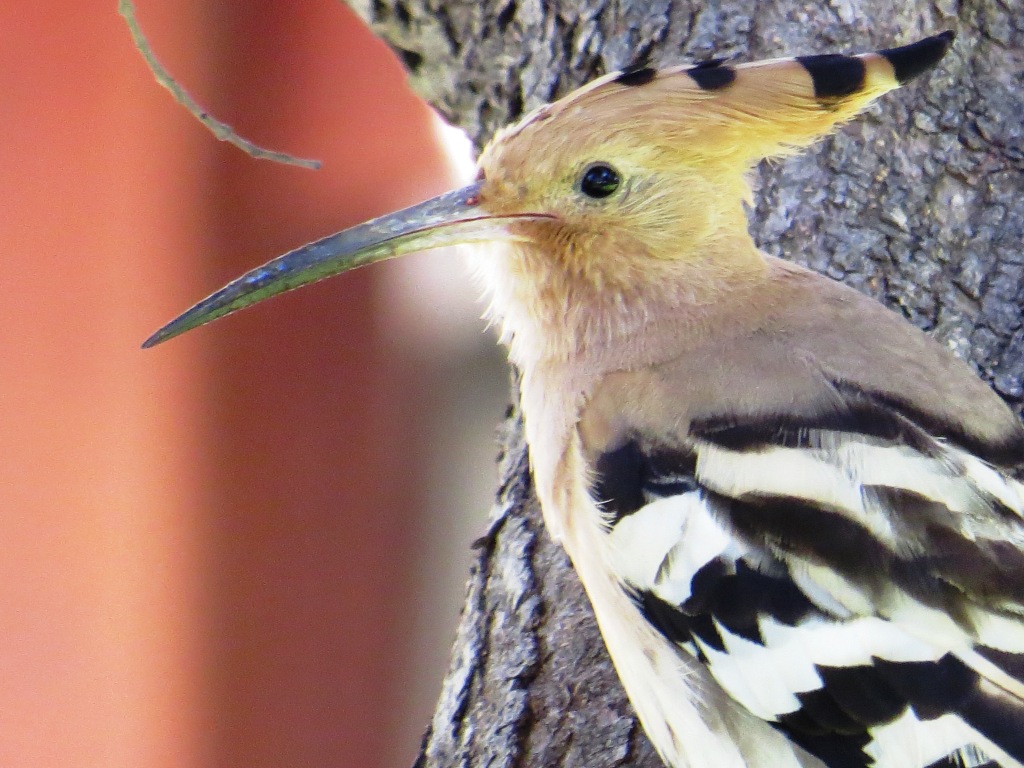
<point>857,584</point>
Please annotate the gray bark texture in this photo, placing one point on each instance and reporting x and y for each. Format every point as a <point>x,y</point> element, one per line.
<point>918,203</point>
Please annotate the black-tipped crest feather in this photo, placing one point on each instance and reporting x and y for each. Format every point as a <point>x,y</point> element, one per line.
<point>909,61</point>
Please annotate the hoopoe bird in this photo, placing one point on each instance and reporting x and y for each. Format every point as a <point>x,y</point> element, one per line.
<point>794,513</point>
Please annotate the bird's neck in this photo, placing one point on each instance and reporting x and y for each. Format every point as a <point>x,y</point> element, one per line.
<point>549,318</point>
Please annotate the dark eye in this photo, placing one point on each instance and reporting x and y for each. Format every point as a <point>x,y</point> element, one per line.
<point>599,180</point>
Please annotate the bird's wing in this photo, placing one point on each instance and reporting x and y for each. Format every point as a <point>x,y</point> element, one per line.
<point>842,608</point>
<point>844,572</point>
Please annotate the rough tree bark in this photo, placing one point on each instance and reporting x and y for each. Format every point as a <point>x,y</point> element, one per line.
<point>920,203</point>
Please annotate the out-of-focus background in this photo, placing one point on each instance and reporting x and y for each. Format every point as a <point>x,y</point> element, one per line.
<point>245,547</point>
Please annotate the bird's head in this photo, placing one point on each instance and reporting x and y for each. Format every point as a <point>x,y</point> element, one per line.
<point>629,181</point>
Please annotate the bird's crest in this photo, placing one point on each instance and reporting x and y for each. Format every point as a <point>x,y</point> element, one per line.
<point>745,112</point>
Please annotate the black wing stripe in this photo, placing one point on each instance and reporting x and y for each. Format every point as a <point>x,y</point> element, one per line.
<point>628,477</point>
<point>1007,452</point>
<point>821,708</point>
<point>1011,663</point>
<point>849,547</point>
<point>676,625</point>
<point>737,595</point>
<point>862,694</point>
<point>933,688</point>
<point>833,750</point>
<point>618,486</point>
<point>936,572</point>
<point>996,714</point>
<point>879,415</point>
<point>860,416</point>
<point>989,569</point>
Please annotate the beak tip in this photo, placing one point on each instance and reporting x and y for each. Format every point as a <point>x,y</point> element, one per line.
<point>159,337</point>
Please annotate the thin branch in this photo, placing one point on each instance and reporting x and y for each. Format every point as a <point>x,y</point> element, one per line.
<point>222,131</point>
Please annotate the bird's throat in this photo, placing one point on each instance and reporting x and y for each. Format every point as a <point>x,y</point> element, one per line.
<point>550,315</point>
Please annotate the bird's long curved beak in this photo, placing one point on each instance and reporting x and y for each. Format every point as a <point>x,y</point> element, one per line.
<point>450,219</point>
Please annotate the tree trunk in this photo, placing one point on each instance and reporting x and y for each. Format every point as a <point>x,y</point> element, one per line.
<point>919,203</point>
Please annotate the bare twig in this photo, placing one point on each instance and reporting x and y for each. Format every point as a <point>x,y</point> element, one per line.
<point>222,131</point>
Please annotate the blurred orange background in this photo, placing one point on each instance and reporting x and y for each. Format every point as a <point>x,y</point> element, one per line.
<point>208,551</point>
